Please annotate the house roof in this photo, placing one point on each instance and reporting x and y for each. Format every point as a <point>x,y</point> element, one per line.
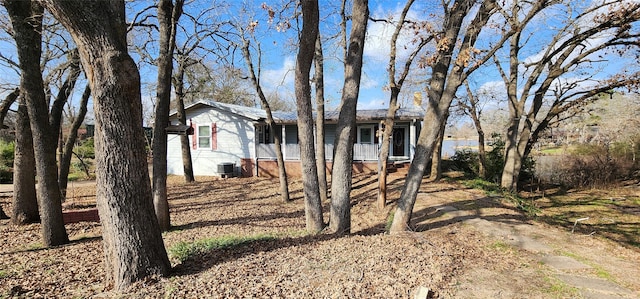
<point>252,113</point>
<point>286,117</point>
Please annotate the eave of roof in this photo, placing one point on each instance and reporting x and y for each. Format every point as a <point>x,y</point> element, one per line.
<point>285,117</point>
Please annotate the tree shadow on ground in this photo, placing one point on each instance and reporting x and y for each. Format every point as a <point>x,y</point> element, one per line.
<point>253,220</point>
<point>441,215</point>
<point>202,261</point>
<point>616,218</point>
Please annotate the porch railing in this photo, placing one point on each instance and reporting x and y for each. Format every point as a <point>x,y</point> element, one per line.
<point>361,152</point>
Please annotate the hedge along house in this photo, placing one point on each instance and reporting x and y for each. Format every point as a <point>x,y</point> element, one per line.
<point>231,140</point>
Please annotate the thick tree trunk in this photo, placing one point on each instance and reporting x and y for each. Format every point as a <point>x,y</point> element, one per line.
<point>340,221</point>
<point>167,20</point>
<point>187,163</point>
<point>25,201</point>
<point>321,160</point>
<point>67,152</point>
<point>26,18</point>
<point>132,239</point>
<point>445,81</point>
<point>436,158</point>
<point>304,59</point>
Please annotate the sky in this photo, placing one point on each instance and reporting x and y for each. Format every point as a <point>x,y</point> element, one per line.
<point>278,59</point>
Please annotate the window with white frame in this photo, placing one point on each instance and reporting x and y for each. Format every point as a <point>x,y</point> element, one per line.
<point>204,136</point>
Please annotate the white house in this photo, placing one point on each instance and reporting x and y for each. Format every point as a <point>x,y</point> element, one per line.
<point>236,138</point>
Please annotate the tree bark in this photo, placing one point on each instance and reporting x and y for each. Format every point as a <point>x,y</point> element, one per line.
<point>321,160</point>
<point>67,152</point>
<point>6,104</point>
<point>436,158</point>
<point>133,245</point>
<point>26,18</point>
<point>304,59</point>
<point>340,221</point>
<point>168,16</point>
<point>25,201</point>
<point>446,77</point>
<point>187,162</point>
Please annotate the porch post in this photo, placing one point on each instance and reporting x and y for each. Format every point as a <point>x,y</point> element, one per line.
<point>283,143</point>
<point>412,139</point>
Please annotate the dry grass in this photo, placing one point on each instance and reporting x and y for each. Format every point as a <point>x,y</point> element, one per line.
<point>233,238</point>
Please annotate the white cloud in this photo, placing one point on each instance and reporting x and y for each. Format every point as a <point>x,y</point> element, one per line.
<point>377,45</point>
<point>279,78</point>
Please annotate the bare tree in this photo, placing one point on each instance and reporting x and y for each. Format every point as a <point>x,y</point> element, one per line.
<point>450,64</point>
<point>471,106</point>
<point>168,16</point>
<point>67,151</point>
<point>245,35</point>
<point>26,18</point>
<point>340,216</point>
<point>554,81</point>
<point>321,161</point>
<point>133,245</point>
<point>395,86</point>
<point>25,200</point>
<point>308,40</point>
<point>24,203</point>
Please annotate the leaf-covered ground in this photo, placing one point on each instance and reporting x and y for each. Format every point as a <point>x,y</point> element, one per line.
<point>233,238</point>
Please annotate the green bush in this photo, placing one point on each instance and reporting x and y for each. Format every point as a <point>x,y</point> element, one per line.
<point>86,149</point>
<point>468,162</point>
<point>7,152</point>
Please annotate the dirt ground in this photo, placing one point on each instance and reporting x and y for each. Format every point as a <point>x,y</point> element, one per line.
<point>448,252</point>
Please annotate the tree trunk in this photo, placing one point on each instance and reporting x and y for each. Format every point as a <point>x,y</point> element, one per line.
<point>25,201</point>
<point>3,215</point>
<point>168,16</point>
<point>321,160</point>
<point>482,154</point>
<point>187,163</point>
<point>6,104</point>
<point>436,158</point>
<point>131,235</point>
<point>446,78</point>
<point>395,86</point>
<point>282,171</point>
<point>67,152</point>
<point>340,221</point>
<point>26,18</point>
<point>385,146</point>
<point>304,59</point>
<point>512,157</point>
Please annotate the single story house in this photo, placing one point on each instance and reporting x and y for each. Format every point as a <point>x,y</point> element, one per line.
<point>235,140</point>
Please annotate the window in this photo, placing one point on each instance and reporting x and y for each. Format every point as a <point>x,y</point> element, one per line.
<point>365,135</point>
<point>204,137</point>
<point>264,135</point>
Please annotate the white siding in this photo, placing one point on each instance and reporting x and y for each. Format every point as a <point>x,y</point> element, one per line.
<point>235,141</point>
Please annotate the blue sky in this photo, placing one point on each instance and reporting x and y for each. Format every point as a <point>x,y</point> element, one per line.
<point>278,61</point>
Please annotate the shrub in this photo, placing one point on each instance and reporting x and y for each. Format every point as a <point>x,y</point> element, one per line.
<point>7,152</point>
<point>468,162</point>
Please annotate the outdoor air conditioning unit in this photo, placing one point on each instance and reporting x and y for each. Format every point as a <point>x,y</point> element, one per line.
<point>226,169</point>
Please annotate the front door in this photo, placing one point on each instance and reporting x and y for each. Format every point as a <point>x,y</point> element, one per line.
<point>397,142</point>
